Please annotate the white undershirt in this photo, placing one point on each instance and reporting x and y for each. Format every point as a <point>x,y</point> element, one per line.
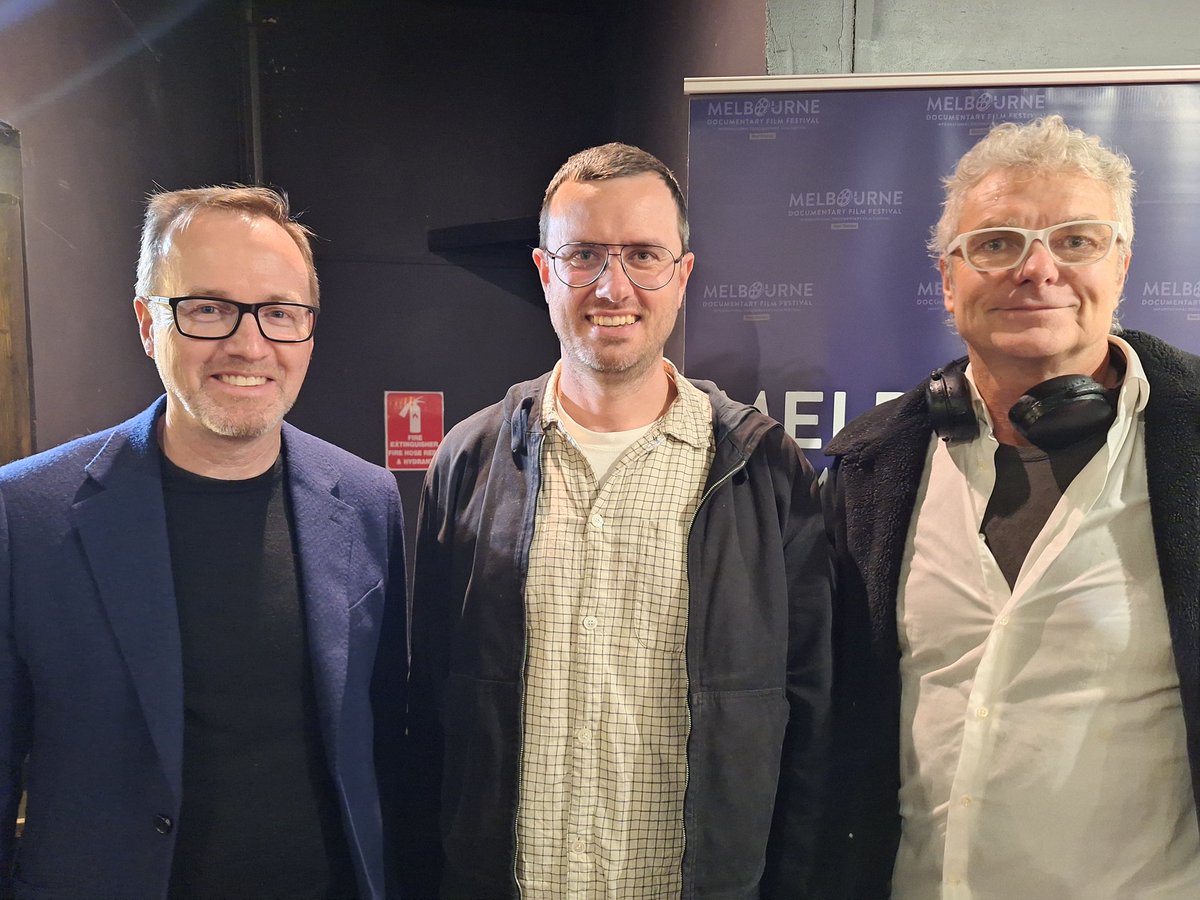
<point>1043,748</point>
<point>600,448</point>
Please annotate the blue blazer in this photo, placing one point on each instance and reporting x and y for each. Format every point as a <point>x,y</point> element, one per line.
<point>91,677</point>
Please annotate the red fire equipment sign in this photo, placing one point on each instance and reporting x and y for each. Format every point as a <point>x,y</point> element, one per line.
<point>415,427</point>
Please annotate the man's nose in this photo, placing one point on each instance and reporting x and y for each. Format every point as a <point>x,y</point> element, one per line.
<point>247,339</point>
<point>1038,263</point>
<point>613,281</point>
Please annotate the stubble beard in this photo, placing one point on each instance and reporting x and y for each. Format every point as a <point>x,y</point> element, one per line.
<point>628,365</point>
<point>231,425</point>
<point>227,420</point>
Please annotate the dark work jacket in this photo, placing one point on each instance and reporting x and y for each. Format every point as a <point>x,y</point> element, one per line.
<point>870,495</point>
<point>757,655</point>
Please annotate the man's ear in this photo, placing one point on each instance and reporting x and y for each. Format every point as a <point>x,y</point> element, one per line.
<point>947,284</point>
<point>541,259</point>
<point>685,272</point>
<point>145,318</point>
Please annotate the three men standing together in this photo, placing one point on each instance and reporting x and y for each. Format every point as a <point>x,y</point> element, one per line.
<point>622,631</point>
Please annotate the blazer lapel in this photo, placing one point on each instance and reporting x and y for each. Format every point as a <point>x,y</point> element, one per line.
<point>325,544</point>
<point>123,530</point>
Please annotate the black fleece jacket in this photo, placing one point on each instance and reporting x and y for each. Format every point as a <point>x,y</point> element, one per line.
<point>869,498</point>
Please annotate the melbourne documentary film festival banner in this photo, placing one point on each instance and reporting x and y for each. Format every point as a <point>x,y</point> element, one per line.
<point>813,294</point>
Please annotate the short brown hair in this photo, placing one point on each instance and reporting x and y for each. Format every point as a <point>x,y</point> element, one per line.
<point>612,161</point>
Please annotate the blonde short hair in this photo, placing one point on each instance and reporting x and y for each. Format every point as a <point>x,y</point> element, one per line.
<point>170,211</point>
<point>1043,146</point>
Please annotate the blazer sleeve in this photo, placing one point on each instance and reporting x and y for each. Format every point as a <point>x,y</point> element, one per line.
<point>16,711</point>
<point>389,689</point>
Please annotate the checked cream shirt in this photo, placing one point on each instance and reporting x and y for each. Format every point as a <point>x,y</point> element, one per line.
<point>605,716</point>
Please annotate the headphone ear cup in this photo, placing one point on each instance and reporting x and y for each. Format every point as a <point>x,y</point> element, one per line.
<point>1063,410</point>
<point>948,401</point>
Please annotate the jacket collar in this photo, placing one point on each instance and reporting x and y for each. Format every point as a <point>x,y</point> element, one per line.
<point>903,420</point>
<point>736,426</point>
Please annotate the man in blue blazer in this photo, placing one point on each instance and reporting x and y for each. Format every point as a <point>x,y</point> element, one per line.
<point>202,608</point>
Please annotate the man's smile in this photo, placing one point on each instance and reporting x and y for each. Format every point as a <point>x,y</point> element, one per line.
<point>612,321</point>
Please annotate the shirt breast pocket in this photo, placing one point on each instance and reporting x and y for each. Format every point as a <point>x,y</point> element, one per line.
<point>658,576</point>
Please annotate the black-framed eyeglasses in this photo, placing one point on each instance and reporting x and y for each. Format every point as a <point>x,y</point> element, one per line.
<point>1078,243</point>
<point>648,266</point>
<point>215,318</point>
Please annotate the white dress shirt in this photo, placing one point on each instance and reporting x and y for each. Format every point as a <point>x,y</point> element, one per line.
<point>1043,749</point>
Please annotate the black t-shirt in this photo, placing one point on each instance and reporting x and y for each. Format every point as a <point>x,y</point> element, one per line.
<point>1029,483</point>
<point>260,815</point>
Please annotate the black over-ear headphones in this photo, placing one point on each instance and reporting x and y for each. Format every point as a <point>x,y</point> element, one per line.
<point>1050,415</point>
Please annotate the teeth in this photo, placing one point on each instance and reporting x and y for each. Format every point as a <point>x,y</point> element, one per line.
<point>609,321</point>
<point>243,380</point>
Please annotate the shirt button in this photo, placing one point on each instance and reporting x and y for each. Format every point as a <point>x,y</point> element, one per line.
<point>597,520</point>
<point>584,736</point>
<point>966,800</point>
<point>982,712</point>
<point>1003,620</point>
<point>590,622</point>
<point>163,824</point>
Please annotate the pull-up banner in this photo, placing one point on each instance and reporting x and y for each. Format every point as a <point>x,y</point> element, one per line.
<point>811,201</point>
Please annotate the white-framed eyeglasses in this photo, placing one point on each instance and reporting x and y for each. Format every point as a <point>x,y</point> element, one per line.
<point>1077,243</point>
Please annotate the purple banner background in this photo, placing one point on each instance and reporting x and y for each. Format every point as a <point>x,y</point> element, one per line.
<point>813,291</point>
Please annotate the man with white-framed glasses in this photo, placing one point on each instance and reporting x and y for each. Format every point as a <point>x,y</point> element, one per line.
<point>1079,243</point>
<point>193,603</point>
<point>620,612</point>
<point>1017,706</point>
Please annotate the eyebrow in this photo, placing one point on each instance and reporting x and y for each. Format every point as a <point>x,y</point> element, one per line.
<point>1009,223</point>
<point>638,243</point>
<point>219,294</point>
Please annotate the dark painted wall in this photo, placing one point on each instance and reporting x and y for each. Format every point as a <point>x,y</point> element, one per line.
<point>110,99</point>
